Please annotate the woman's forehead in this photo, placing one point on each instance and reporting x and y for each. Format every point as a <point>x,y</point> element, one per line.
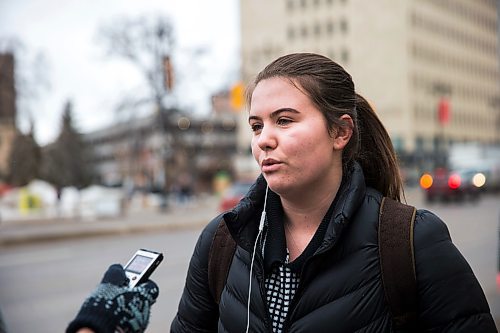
<point>276,89</point>
<point>275,94</point>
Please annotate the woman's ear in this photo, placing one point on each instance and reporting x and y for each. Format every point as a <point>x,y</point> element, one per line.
<point>343,133</point>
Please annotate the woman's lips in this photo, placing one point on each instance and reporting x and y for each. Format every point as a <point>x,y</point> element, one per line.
<point>269,165</point>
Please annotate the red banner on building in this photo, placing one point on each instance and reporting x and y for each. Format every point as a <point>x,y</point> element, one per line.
<point>444,111</point>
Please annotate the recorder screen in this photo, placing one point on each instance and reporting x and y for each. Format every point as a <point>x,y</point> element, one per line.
<point>139,264</point>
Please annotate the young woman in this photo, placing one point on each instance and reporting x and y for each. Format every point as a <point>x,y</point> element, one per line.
<point>307,255</point>
<point>326,162</point>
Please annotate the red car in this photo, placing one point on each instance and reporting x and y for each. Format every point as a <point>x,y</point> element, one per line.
<point>233,195</point>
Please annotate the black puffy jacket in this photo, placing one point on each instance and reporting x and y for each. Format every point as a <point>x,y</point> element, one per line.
<point>340,288</point>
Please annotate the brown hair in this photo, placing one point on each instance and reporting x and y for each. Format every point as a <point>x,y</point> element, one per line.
<point>331,89</point>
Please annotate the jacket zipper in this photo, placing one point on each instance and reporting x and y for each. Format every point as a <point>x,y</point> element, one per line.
<point>299,292</point>
<point>262,288</point>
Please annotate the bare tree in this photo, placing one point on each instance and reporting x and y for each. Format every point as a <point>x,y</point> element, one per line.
<point>147,43</point>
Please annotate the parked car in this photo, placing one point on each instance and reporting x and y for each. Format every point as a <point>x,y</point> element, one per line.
<point>452,185</point>
<point>232,196</point>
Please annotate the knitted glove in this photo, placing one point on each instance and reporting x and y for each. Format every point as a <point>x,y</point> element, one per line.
<point>113,306</point>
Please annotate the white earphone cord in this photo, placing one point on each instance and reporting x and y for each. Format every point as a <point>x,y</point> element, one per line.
<point>261,227</point>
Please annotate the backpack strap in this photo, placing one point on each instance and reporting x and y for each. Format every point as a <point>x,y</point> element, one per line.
<point>397,261</point>
<point>219,259</point>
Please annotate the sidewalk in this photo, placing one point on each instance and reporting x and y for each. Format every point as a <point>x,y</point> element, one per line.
<point>195,214</point>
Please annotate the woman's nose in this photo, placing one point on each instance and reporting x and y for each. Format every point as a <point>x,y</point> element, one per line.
<point>267,139</point>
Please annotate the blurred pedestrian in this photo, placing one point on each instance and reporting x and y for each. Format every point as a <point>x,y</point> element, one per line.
<point>184,189</point>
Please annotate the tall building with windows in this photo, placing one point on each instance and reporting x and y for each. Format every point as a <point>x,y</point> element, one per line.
<point>409,58</point>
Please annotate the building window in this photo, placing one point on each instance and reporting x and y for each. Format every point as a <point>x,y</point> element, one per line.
<point>291,33</point>
<point>419,143</point>
<point>343,26</point>
<point>398,143</point>
<point>304,31</point>
<point>317,29</point>
<point>344,56</point>
<point>329,27</point>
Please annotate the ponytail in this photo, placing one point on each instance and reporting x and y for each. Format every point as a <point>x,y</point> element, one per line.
<point>375,153</point>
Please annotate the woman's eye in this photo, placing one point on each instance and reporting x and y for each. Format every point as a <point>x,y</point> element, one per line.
<point>256,127</point>
<point>283,121</point>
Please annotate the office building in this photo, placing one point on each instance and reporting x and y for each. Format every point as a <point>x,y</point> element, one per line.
<point>430,68</point>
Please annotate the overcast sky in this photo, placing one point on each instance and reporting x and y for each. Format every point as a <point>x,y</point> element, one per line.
<point>65,33</point>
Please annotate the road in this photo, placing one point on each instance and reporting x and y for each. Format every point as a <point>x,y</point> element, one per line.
<point>43,284</point>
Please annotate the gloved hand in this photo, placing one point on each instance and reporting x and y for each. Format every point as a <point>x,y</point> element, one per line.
<point>113,306</point>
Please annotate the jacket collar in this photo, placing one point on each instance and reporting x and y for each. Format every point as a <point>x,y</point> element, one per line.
<point>350,197</point>
<point>243,220</point>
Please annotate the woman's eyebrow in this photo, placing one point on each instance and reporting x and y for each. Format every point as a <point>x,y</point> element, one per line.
<point>274,114</point>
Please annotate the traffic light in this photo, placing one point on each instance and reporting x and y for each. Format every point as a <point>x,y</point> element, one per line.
<point>168,73</point>
<point>237,96</point>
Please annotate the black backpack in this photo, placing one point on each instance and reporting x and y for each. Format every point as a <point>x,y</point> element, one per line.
<point>397,261</point>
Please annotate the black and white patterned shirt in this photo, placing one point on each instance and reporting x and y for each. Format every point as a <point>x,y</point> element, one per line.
<point>282,278</point>
<point>281,286</point>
